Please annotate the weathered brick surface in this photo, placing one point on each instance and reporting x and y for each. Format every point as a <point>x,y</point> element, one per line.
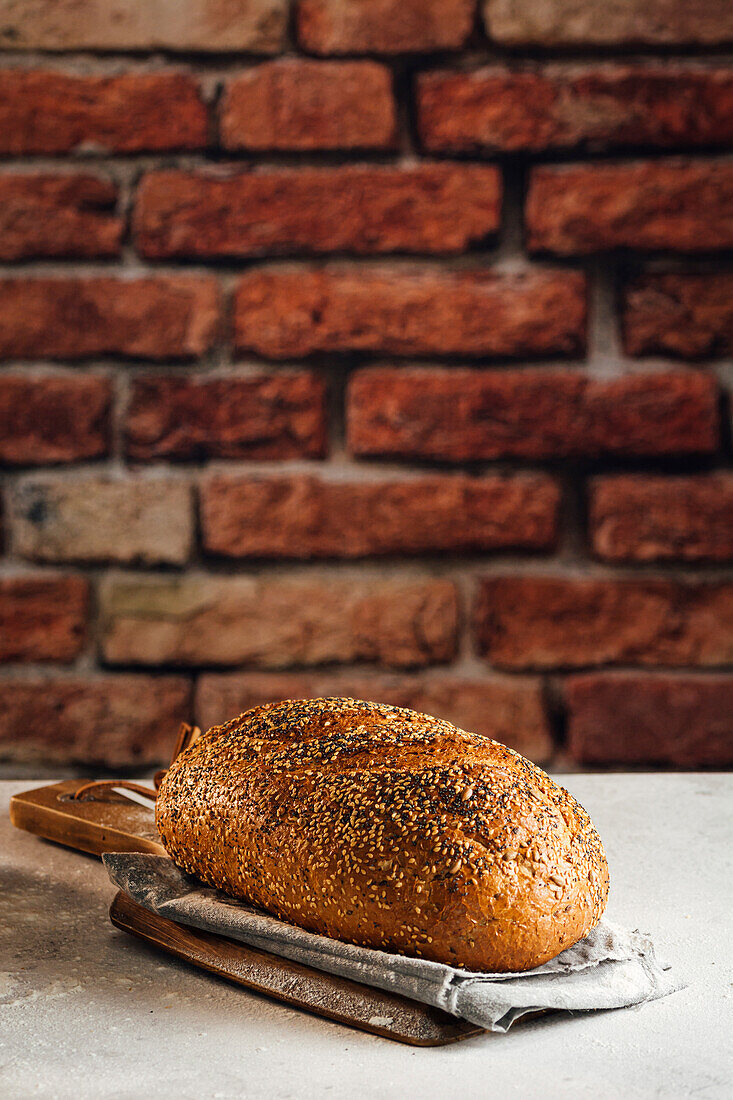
<point>391,387</point>
<point>366,209</point>
<point>636,719</point>
<point>42,618</point>
<point>100,519</point>
<point>549,622</point>
<point>570,106</point>
<point>670,204</point>
<point>255,26</point>
<point>43,111</point>
<point>292,312</point>
<point>689,314</point>
<point>465,415</point>
<point>597,23</point>
<point>277,623</point>
<point>299,104</point>
<point>160,317</point>
<point>258,416</point>
<point>53,418</point>
<point>509,709</point>
<point>299,516</point>
<point>645,518</point>
<point>58,215</point>
<point>383,26</point>
<point>108,721</point>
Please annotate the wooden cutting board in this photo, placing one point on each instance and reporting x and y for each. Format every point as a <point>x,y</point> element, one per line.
<point>111,822</point>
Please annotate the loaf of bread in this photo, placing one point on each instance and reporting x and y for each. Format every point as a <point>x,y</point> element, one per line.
<point>379,826</point>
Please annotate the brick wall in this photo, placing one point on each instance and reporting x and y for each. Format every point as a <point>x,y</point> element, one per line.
<point>375,347</point>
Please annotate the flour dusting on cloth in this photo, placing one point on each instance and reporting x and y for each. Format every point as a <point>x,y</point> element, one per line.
<point>610,968</point>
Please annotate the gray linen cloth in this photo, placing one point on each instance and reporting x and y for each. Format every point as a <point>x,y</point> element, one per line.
<point>610,968</point>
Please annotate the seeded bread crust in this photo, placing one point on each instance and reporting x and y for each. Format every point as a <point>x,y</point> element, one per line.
<point>379,826</point>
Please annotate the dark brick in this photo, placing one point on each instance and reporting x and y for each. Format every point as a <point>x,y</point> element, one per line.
<point>260,416</point>
<point>299,516</point>
<point>161,317</point>
<point>42,618</point>
<point>632,719</point>
<point>646,518</point>
<point>364,209</point>
<point>293,312</point>
<point>301,104</point>
<point>106,721</point>
<point>53,418</point>
<point>688,314</point>
<point>683,205</point>
<point>473,415</point>
<point>42,111</point>
<point>571,106</point>
<point>552,622</point>
<point>53,215</point>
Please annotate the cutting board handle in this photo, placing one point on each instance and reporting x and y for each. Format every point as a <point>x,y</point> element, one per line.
<point>187,735</point>
<point>112,823</point>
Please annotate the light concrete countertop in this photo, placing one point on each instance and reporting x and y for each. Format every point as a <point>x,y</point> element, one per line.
<point>86,1011</point>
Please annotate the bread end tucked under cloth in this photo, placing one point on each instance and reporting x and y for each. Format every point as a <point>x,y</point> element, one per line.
<point>379,826</point>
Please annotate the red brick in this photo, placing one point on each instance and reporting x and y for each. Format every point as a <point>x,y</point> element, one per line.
<point>669,204</point>
<point>549,23</point>
<point>299,516</point>
<point>162,317</point>
<point>42,618</point>
<point>460,415</point>
<point>549,622</point>
<point>301,104</point>
<point>644,518</point>
<point>278,622</point>
<point>282,313</point>
<point>260,416</point>
<point>108,721</point>
<point>53,418</point>
<point>99,519</point>
<point>569,106</point>
<point>688,314</point>
<point>253,26</point>
<point>636,719</point>
<point>53,215</point>
<point>383,26</point>
<point>362,209</point>
<point>509,709</point>
<point>42,111</point>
